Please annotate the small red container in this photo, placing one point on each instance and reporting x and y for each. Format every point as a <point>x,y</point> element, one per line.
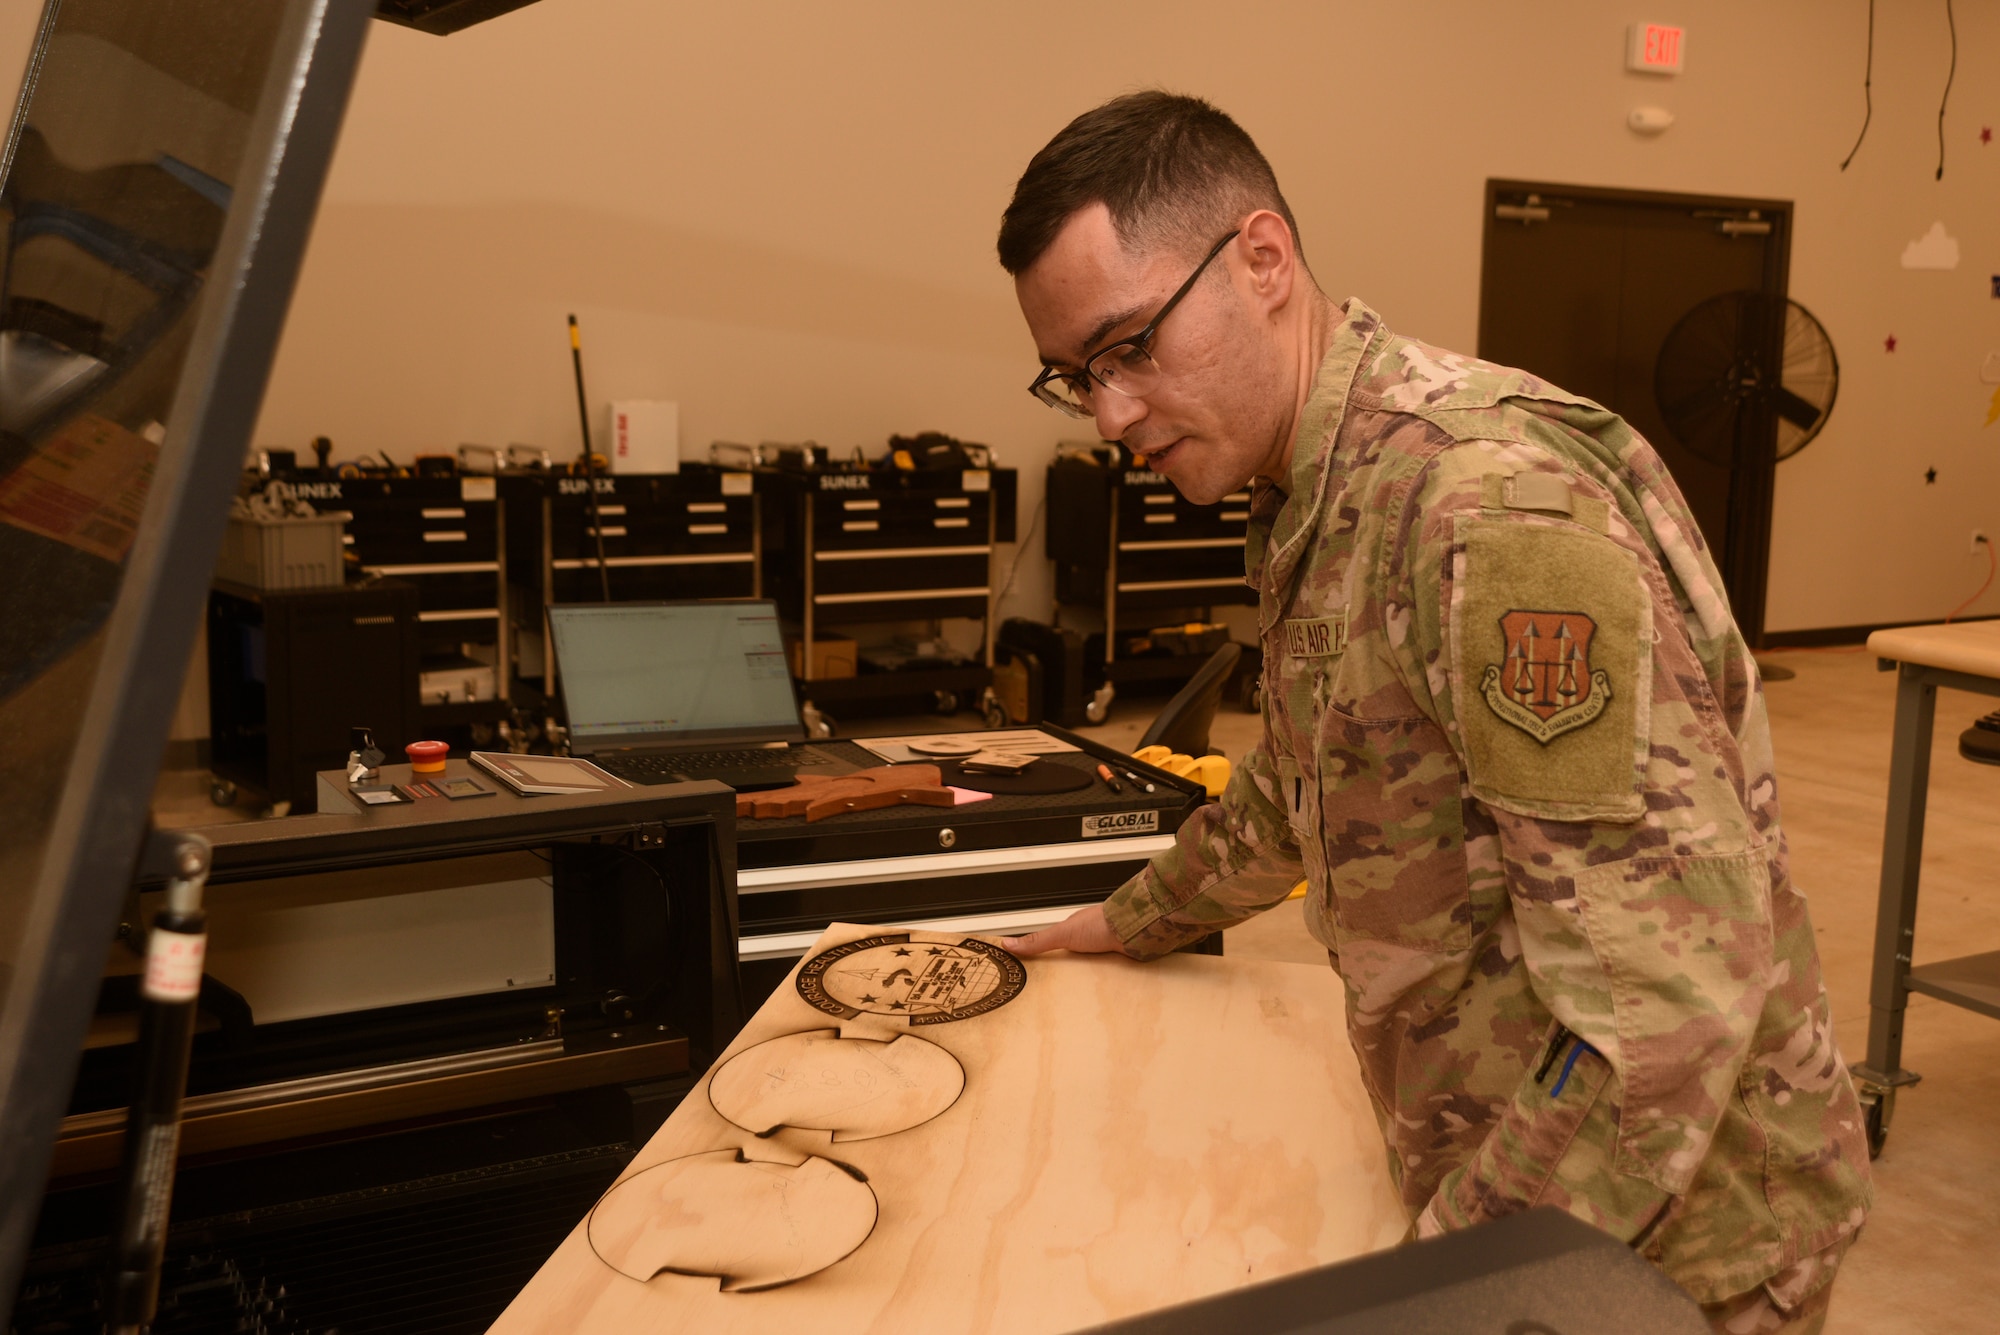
<point>427,757</point>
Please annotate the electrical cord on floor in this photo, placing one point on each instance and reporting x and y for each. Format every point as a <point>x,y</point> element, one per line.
<point>1992,565</point>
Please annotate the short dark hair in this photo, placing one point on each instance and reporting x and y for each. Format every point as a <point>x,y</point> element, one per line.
<point>1172,169</point>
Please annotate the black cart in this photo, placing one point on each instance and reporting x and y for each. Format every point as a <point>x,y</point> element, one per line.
<point>850,546</point>
<point>1129,548</point>
<point>691,534</point>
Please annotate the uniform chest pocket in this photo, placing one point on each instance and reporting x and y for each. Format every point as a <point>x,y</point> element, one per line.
<point>1392,833</point>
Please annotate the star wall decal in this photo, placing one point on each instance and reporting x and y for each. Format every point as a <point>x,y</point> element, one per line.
<point>1890,343</point>
<point>1930,476</point>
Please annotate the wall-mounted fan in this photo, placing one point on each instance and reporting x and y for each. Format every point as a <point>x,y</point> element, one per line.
<point>1734,357</point>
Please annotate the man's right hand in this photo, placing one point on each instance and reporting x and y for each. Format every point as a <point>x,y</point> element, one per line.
<point>1086,932</point>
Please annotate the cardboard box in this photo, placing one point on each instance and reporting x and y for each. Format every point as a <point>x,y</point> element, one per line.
<point>645,436</point>
<point>831,657</point>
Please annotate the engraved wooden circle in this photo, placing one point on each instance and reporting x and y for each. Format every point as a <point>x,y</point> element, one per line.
<point>925,982</point>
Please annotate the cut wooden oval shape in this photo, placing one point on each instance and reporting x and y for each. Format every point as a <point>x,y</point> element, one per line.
<point>751,1224</point>
<point>857,1088</point>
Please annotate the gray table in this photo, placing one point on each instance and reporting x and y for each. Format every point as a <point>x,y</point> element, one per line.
<point>1967,658</point>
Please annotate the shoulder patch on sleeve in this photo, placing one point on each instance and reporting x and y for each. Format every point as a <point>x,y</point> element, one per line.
<point>1551,635</point>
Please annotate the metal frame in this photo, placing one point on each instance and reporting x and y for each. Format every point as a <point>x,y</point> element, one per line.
<point>1971,981</point>
<point>94,840</point>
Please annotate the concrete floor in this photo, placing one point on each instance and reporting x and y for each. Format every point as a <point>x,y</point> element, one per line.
<point>1925,1264</point>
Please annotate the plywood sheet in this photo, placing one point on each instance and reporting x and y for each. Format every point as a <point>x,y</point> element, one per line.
<point>1127,1136</point>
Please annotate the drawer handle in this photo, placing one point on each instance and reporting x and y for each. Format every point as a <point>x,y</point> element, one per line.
<point>707,508</point>
<point>444,514</point>
<point>1236,497</point>
<point>612,531</point>
<point>443,535</point>
<point>954,502</point>
<point>1157,499</point>
<point>708,528</point>
<point>1235,514</point>
<point>861,505</point>
<point>859,525</point>
<point>611,509</point>
<point>951,523</point>
<point>1159,519</point>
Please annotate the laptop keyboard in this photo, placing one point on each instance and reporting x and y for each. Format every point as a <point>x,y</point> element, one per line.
<point>683,762</point>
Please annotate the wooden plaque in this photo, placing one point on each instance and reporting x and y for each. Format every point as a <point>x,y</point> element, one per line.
<point>1104,1139</point>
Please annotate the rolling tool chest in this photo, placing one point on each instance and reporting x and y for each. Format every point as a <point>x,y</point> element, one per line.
<point>445,535</point>
<point>844,547</point>
<point>692,534</point>
<point>1129,548</point>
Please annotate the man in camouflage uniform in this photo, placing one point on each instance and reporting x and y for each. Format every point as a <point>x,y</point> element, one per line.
<point>1513,738</point>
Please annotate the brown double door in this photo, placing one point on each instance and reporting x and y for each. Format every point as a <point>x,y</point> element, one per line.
<point>1580,286</point>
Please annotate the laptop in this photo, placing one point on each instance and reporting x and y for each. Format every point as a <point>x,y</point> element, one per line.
<point>660,692</point>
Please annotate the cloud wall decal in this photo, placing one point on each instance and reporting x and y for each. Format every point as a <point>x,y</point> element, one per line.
<point>1935,249</point>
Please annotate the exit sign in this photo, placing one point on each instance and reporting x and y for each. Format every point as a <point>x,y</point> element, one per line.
<point>1655,48</point>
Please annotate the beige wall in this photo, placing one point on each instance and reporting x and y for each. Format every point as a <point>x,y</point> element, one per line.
<point>781,215</point>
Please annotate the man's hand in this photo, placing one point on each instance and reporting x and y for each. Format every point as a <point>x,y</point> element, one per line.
<point>1086,931</point>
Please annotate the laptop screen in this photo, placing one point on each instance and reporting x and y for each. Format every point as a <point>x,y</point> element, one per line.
<point>665,672</point>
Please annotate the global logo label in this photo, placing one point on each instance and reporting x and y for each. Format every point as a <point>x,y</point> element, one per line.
<point>1123,822</point>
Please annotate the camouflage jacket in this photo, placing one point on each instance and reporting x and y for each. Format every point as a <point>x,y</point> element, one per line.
<point>1518,748</point>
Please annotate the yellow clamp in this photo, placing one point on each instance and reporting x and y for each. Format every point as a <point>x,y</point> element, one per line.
<point>1211,772</point>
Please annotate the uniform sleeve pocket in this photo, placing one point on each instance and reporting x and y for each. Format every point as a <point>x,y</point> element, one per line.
<point>1685,944</point>
<point>1552,1147</point>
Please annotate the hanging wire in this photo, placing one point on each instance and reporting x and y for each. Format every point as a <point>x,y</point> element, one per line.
<point>1952,23</point>
<point>1868,89</point>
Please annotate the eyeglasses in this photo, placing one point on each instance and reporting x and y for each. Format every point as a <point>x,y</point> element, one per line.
<point>1126,366</point>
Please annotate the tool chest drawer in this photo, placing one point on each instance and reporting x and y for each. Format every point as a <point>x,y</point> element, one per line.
<point>413,522</point>
<point>665,535</point>
<point>1123,536</point>
<point>649,516</point>
<point>883,544</point>
<point>1149,516</point>
<point>901,520</point>
<point>439,534</point>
